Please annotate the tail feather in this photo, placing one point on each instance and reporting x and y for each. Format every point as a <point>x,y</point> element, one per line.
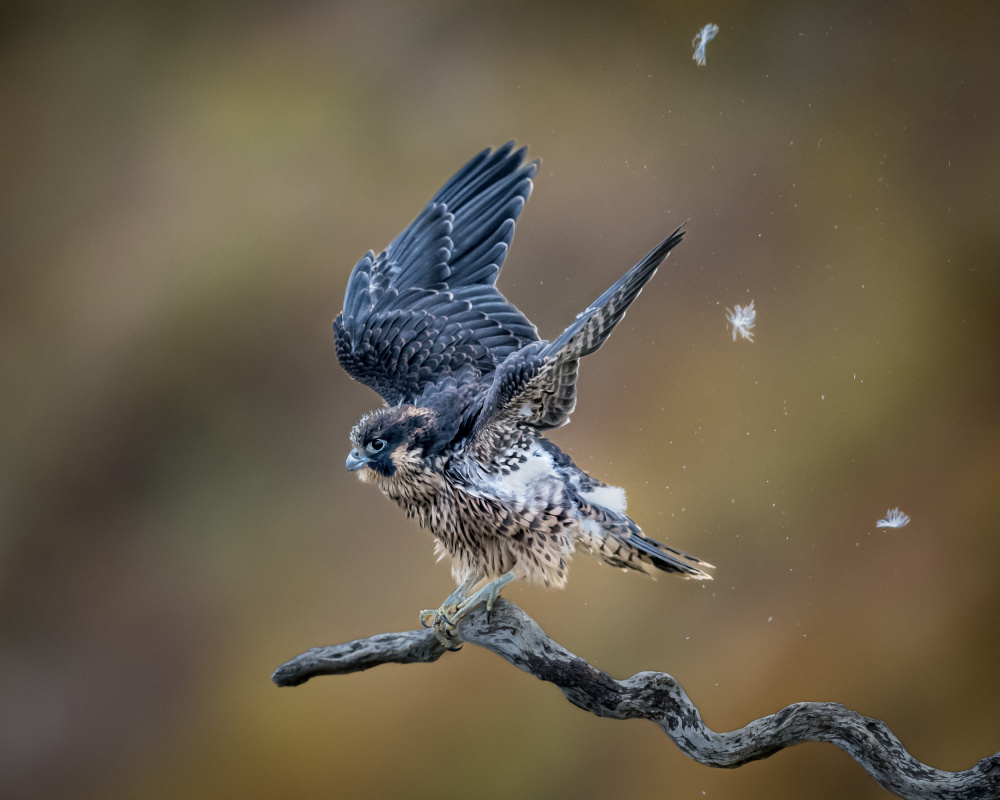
<point>670,559</point>
<point>618,541</point>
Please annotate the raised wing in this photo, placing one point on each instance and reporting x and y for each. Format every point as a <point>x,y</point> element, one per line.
<point>426,309</point>
<point>537,384</point>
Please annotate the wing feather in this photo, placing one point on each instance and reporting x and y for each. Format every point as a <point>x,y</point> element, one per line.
<point>426,308</point>
<point>536,385</point>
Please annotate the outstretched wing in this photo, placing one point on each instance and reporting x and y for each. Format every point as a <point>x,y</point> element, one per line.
<point>426,309</point>
<point>537,384</point>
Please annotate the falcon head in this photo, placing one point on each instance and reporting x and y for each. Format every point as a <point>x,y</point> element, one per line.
<point>392,443</point>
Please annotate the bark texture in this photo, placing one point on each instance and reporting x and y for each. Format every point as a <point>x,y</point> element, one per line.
<point>656,696</point>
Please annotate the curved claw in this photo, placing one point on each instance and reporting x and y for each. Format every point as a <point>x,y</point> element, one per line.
<point>455,648</point>
<point>441,625</point>
<point>429,616</point>
<point>444,639</point>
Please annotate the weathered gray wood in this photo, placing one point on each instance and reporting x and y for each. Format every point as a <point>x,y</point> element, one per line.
<point>656,696</point>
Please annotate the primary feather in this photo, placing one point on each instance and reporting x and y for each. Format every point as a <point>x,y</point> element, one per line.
<point>426,308</point>
<point>469,387</point>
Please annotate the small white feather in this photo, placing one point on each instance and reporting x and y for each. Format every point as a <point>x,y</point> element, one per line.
<point>742,320</point>
<point>894,518</point>
<point>702,38</point>
<point>610,497</point>
<point>538,468</point>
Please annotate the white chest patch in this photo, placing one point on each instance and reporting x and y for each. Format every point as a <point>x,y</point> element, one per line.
<point>535,472</point>
<point>610,497</point>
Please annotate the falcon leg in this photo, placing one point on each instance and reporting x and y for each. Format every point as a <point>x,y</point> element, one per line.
<point>488,594</point>
<point>453,601</point>
<point>457,597</point>
<point>445,619</point>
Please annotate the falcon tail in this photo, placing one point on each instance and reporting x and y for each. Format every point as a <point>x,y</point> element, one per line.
<point>667,558</point>
<point>618,541</point>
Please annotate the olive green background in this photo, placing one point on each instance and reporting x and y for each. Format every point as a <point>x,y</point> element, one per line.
<point>184,189</point>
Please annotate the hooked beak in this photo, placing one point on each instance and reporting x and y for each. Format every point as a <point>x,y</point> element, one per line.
<point>355,461</point>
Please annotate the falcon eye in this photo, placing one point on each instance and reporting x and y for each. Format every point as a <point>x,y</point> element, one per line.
<point>376,445</point>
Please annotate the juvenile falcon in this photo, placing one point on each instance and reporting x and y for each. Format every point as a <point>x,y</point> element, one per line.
<point>469,388</point>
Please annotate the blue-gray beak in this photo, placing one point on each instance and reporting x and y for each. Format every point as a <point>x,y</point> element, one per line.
<point>355,460</point>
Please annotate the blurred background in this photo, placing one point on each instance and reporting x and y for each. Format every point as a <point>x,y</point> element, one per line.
<point>184,188</point>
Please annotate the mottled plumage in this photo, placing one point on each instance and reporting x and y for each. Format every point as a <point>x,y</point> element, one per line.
<point>469,387</point>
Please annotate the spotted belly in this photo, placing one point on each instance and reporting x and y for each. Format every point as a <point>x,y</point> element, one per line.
<point>521,517</point>
<point>483,535</point>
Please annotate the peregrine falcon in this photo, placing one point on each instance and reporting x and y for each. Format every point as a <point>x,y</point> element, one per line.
<point>469,387</point>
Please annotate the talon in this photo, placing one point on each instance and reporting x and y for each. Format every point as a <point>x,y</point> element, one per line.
<point>456,607</point>
<point>455,648</point>
<point>428,617</point>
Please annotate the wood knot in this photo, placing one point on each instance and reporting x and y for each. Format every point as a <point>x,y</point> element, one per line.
<point>990,766</point>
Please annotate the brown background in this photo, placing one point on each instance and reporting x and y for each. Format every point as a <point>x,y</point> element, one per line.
<point>183,191</point>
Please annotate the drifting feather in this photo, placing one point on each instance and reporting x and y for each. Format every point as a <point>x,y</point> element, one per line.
<point>742,319</point>
<point>894,518</point>
<point>703,37</point>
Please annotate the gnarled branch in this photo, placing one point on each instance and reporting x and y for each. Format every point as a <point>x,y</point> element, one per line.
<point>656,696</point>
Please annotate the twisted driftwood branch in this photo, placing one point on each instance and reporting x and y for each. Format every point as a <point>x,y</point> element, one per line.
<point>656,696</point>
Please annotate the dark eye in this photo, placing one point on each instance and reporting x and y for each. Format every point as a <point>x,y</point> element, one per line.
<point>376,445</point>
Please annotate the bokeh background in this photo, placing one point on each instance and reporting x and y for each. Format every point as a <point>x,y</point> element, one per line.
<point>184,188</point>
